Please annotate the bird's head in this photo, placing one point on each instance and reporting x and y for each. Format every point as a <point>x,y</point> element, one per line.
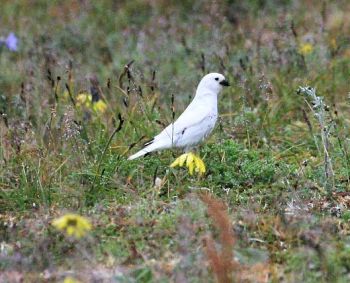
<point>213,82</point>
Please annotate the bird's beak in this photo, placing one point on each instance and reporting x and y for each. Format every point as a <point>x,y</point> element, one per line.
<point>224,83</point>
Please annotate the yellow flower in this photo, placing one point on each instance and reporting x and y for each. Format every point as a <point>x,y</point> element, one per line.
<point>306,48</point>
<point>100,106</point>
<point>193,163</point>
<point>84,99</point>
<point>73,224</point>
<point>70,280</point>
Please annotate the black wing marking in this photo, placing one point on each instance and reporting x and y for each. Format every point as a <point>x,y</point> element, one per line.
<point>148,142</point>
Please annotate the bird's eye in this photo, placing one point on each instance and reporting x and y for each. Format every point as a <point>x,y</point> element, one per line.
<point>216,79</point>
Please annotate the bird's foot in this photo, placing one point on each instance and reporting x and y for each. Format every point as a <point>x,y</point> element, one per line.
<point>193,162</point>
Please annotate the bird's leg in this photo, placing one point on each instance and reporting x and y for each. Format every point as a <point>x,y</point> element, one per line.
<point>190,149</point>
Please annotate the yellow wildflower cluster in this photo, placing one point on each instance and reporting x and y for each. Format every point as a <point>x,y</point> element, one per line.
<point>99,106</point>
<point>193,163</point>
<point>306,48</point>
<point>73,225</point>
<point>84,99</point>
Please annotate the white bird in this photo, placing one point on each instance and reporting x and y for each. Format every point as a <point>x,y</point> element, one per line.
<point>195,123</point>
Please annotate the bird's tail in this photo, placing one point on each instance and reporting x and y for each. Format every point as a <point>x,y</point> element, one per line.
<point>149,147</point>
<point>138,154</point>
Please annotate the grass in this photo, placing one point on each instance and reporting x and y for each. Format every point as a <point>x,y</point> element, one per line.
<point>277,164</point>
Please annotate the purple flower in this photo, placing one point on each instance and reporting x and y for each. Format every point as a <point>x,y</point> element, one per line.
<point>11,42</point>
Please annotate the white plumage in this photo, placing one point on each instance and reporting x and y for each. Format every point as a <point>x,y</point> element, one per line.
<point>195,123</point>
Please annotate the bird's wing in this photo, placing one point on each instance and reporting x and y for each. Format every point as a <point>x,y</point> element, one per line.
<point>191,127</point>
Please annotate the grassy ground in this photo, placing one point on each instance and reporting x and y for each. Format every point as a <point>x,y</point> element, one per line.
<point>273,205</point>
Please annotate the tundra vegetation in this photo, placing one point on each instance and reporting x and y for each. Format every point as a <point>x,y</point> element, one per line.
<point>83,84</point>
